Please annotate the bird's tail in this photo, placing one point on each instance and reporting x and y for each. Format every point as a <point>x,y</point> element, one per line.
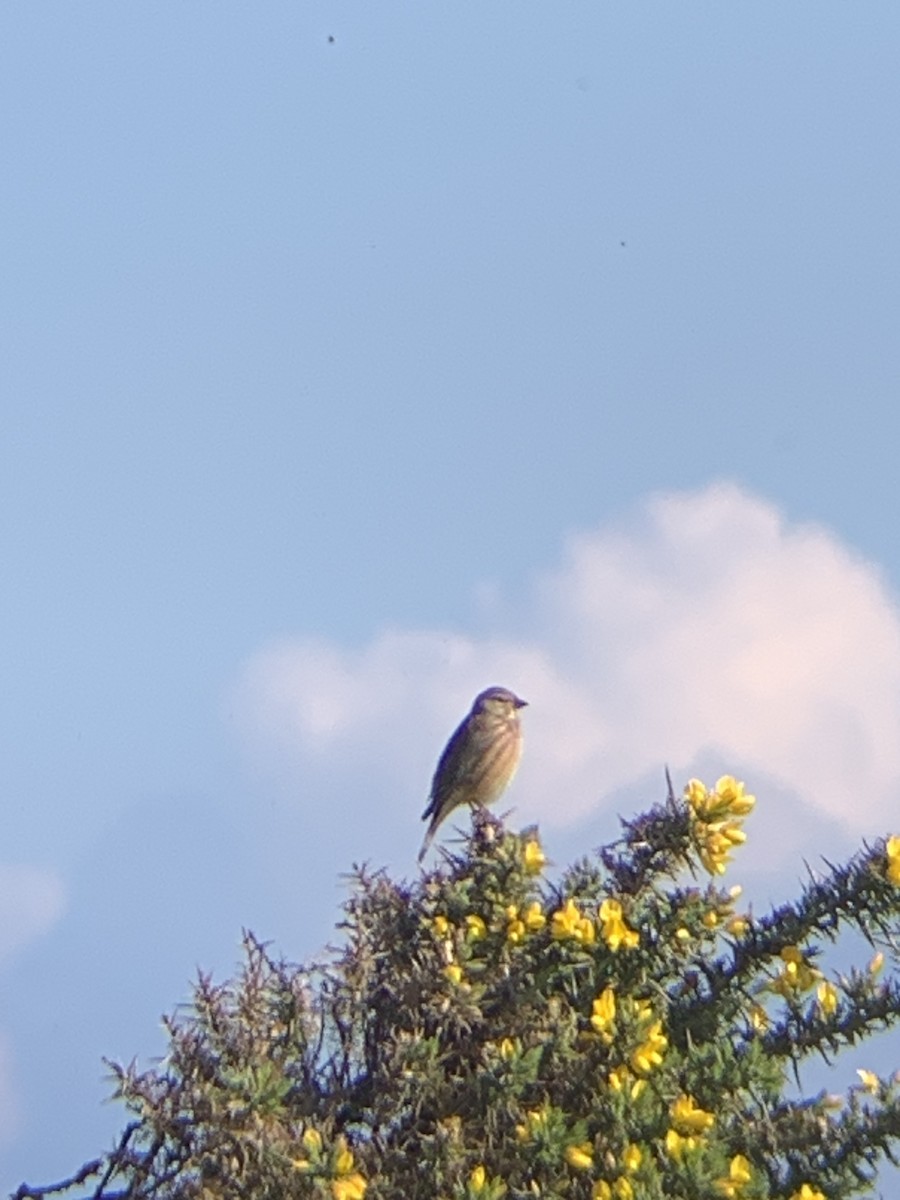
<point>428,836</point>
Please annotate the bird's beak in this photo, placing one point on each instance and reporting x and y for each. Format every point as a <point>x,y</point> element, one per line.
<point>521,703</point>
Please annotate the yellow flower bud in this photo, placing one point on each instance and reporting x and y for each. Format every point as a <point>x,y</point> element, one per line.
<point>631,1159</point>
<point>475,928</point>
<point>827,996</point>
<point>580,1156</point>
<point>454,973</point>
<point>312,1140</point>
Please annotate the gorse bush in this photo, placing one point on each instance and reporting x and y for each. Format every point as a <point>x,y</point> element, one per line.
<point>625,1034</point>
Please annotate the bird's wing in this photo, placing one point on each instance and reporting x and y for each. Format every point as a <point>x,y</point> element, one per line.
<point>449,773</point>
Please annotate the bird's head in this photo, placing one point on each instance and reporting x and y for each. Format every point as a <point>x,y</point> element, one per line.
<point>498,702</point>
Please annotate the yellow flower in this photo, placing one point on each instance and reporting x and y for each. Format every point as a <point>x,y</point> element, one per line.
<point>622,1189</point>
<point>580,1155</point>
<point>533,857</point>
<point>312,1143</point>
<point>893,857</point>
<point>732,795</point>
<point>349,1187</point>
<point>674,1144</point>
<point>312,1140</point>
<point>604,1013</point>
<point>870,1080</point>
<point>808,1192</point>
<point>481,1184</point>
<point>710,919</point>
<point>454,973</point>
<point>739,1175</point>
<point>696,795</point>
<point>737,926</point>
<point>727,798</point>
<point>533,917</point>
<point>535,1123</point>
<point>564,920</point>
<point>715,843</point>
<point>343,1163</point>
<point>349,1184</point>
<point>585,932</point>
<point>799,969</point>
<point>518,924</point>
<point>677,1146</point>
<point>440,925</point>
<point>827,996</point>
<point>796,975</point>
<point>687,1118</point>
<point>717,819</point>
<point>650,1053</point>
<point>569,923</point>
<point>619,1080</point>
<point>515,926</point>
<point>475,928</point>
<point>613,929</point>
<point>631,1158</point>
<point>876,965</point>
<point>601,1190</point>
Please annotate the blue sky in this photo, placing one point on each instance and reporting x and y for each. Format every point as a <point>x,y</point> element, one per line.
<point>553,346</point>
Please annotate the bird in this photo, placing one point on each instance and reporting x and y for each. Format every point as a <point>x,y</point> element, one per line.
<point>480,759</point>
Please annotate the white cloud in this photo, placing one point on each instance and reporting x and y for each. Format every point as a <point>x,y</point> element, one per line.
<point>31,901</point>
<point>706,628</point>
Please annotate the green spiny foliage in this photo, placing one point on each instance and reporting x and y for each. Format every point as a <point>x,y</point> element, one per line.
<point>481,1033</point>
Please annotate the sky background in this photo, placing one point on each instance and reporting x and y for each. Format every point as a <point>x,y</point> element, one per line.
<point>545,345</point>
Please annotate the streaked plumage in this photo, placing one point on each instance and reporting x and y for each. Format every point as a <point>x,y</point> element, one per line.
<point>479,760</point>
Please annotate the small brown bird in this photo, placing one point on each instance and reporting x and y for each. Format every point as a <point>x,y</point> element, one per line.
<point>479,760</point>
